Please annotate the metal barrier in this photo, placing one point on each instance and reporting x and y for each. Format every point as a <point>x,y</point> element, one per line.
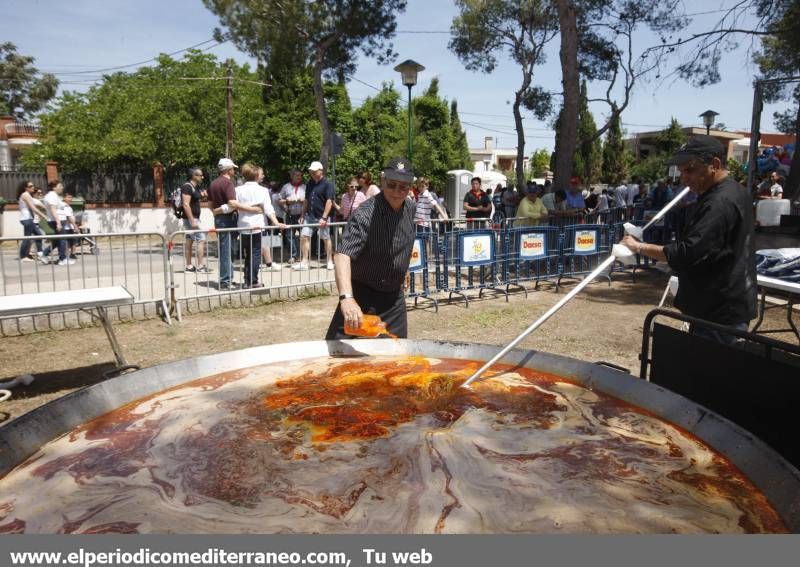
<point>419,285</point>
<point>532,254</point>
<point>471,255</point>
<point>259,262</point>
<point>137,261</point>
<point>583,248</point>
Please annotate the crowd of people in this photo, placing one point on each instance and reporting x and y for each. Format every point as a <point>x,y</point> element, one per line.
<point>539,204</point>
<point>53,210</point>
<point>296,210</point>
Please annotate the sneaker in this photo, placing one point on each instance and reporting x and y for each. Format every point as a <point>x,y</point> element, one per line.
<point>66,262</point>
<point>203,270</point>
<point>253,286</point>
<point>275,267</point>
<point>228,285</point>
<point>190,269</point>
<point>73,257</point>
<point>330,265</point>
<point>44,260</point>
<point>26,259</point>
<point>300,266</point>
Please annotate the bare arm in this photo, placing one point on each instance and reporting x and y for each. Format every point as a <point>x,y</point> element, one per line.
<point>187,208</point>
<point>655,251</point>
<point>349,307</point>
<point>441,211</point>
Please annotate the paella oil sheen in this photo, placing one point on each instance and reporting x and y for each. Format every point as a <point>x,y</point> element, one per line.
<point>380,445</point>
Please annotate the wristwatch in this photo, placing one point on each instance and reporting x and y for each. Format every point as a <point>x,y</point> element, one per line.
<point>345,296</point>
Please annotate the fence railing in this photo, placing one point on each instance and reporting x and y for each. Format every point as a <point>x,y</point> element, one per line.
<point>255,262</point>
<point>34,264</point>
<point>197,269</point>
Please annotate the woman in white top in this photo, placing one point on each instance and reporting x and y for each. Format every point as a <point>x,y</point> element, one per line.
<point>251,224</point>
<point>367,186</point>
<point>27,217</point>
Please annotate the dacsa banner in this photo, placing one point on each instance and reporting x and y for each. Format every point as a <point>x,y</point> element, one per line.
<point>417,256</point>
<point>532,245</point>
<point>585,241</point>
<point>477,249</point>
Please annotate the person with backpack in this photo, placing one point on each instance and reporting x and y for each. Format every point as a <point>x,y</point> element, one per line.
<point>190,195</point>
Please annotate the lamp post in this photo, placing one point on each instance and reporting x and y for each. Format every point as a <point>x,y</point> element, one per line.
<point>708,119</point>
<point>408,70</point>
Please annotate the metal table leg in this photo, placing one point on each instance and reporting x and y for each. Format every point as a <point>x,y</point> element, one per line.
<point>112,338</point>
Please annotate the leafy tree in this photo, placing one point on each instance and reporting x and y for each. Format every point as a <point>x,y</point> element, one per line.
<point>780,57</point>
<point>652,168</point>
<point>540,162</point>
<point>325,36</point>
<point>777,24</point>
<point>154,115</point>
<point>615,154</point>
<point>522,28</point>
<point>597,44</point>
<point>668,141</point>
<point>23,91</point>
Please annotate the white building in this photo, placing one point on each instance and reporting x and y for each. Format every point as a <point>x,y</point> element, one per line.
<point>489,158</point>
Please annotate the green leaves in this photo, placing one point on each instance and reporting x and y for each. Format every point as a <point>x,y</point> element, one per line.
<point>23,91</point>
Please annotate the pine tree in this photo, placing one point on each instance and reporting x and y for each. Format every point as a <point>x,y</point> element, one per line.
<point>461,158</point>
<point>588,155</point>
<point>615,158</point>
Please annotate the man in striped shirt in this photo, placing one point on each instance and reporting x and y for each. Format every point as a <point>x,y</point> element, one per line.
<point>373,255</point>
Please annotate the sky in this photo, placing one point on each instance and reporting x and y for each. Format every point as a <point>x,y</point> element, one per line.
<point>76,39</point>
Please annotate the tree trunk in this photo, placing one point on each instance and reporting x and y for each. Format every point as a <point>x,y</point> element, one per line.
<point>519,169</point>
<point>322,112</point>
<point>568,131</point>
<point>792,189</point>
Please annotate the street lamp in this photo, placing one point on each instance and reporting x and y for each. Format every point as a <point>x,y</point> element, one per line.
<point>708,119</point>
<point>408,70</point>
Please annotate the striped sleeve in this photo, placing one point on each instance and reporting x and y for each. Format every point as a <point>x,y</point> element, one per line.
<point>355,234</point>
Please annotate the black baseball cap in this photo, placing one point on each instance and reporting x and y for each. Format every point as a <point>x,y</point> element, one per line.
<point>399,169</point>
<point>701,147</point>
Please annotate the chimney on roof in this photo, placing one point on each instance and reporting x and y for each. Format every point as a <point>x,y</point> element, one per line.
<point>488,142</point>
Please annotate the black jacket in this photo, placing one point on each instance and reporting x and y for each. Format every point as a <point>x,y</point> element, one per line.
<point>715,257</point>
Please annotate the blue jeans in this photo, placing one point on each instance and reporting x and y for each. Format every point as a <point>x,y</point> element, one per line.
<point>29,228</point>
<point>251,249</point>
<point>61,243</point>
<point>224,243</point>
<point>290,239</point>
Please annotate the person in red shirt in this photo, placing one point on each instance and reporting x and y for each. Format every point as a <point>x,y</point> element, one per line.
<point>477,203</point>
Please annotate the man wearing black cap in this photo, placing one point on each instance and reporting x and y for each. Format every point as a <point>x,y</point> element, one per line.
<point>374,253</point>
<point>715,255</point>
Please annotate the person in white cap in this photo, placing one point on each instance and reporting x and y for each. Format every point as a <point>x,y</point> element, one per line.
<point>222,196</point>
<point>320,195</point>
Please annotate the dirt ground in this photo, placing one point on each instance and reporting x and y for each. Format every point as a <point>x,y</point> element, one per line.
<point>601,324</point>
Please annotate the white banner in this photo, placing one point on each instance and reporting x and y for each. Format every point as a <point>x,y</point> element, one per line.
<point>532,245</point>
<point>476,249</point>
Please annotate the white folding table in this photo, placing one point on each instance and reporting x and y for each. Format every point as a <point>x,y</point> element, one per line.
<point>87,300</point>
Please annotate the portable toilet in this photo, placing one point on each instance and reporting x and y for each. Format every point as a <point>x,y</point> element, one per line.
<point>458,185</point>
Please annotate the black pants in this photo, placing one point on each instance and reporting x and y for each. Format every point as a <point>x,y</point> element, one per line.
<point>389,306</point>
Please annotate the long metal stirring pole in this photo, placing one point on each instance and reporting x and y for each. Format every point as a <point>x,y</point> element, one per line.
<point>550,312</point>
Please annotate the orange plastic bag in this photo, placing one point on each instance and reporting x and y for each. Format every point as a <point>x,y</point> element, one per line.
<point>371,326</point>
